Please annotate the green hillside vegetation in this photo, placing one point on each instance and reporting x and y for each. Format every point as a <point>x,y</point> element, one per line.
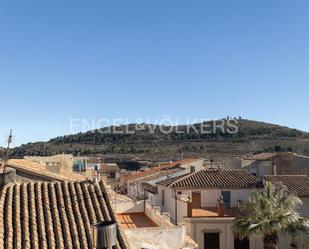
<point>252,137</point>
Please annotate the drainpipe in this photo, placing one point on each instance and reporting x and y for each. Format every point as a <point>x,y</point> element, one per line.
<point>175,207</point>
<point>144,201</point>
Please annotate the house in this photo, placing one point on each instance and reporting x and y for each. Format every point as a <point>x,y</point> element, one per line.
<point>296,184</point>
<point>93,163</point>
<point>281,163</point>
<point>207,202</point>
<point>110,170</point>
<point>136,182</point>
<point>145,227</point>
<point>79,164</point>
<point>23,171</point>
<point>54,215</point>
<point>54,163</point>
<point>44,209</point>
<point>110,173</point>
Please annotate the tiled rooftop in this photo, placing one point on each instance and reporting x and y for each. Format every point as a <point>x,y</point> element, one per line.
<point>154,170</point>
<point>135,220</point>
<point>169,181</point>
<point>218,178</point>
<point>93,160</point>
<point>53,215</point>
<point>296,184</point>
<point>158,174</point>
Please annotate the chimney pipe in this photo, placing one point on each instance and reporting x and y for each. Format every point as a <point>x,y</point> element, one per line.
<point>104,235</point>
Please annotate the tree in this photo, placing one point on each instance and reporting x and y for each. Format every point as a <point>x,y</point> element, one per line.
<point>269,213</point>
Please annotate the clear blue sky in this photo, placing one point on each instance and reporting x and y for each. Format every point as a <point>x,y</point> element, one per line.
<point>147,59</point>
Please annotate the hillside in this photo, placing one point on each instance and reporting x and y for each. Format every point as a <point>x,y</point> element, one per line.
<point>149,143</point>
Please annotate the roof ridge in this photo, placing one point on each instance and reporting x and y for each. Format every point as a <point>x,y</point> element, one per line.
<point>237,178</point>
<point>284,175</point>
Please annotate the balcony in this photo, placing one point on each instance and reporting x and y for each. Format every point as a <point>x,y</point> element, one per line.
<point>214,209</point>
<point>213,212</point>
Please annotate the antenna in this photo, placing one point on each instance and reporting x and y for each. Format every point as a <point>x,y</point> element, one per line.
<point>10,139</point>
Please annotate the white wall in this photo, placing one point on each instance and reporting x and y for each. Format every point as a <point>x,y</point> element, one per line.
<point>156,237</point>
<point>129,207</point>
<point>196,227</point>
<point>259,168</point>
<point>198,164</point>
<point>304,209</point>
<point>152,198</point>
<point>209,198</point>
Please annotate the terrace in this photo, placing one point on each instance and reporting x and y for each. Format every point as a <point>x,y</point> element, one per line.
<point>135,220</point>
<point>213,212</point>
<point>144,225</point>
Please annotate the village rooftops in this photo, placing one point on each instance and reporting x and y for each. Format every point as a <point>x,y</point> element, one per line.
<point>40,169</point>
<point>268,156</point>
<point>217,179</point>
<point>156,169</point>
<point>54,215</point>
<point>158,174</point>
<point>296,184</point>
<point>167,182</point>
<point>93,160</point>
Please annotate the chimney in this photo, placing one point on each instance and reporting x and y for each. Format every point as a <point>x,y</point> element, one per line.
<point>211,163</point>
<point>221,207</point>
<point>104,235</point>
<point>8,176</point>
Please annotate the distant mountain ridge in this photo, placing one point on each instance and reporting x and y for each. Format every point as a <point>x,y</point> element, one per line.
<point>149,142</point>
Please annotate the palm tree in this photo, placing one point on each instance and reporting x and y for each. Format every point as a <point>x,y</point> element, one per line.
<point>269,213</point>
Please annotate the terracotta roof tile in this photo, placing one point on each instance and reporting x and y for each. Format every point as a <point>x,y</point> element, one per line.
<point>93,160</point>
<point>153,170</point>
<point>218,178</point>
<point>169,181</point>
<point>158,174</point>
<point>296,184</point>
<point>53,215</point>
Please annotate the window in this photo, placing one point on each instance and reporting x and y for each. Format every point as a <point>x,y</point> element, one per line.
<point>226,198</point>
<point>163,198</point>
<point>211,241</point>
<point>179,193</point>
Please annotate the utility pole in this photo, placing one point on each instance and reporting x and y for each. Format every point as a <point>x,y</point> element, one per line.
<point>10,139</point>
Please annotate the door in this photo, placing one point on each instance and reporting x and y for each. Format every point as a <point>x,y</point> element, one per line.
<point>226,198</point>
<point>211,241</point>
<point>196,200</point>
<point>241,244</point>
